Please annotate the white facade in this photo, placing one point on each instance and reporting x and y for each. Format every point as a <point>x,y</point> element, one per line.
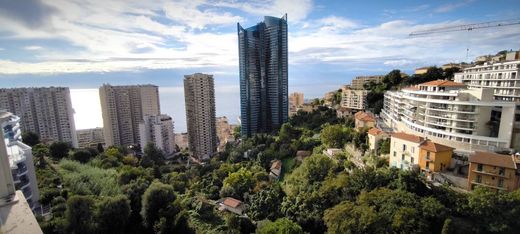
<point>502,77</point>
<point>20,158</point>
<point>450,114</point>
<point>158,129</point>
<point>353,99</point>
<point>123,108</point>
<point>45,111</point>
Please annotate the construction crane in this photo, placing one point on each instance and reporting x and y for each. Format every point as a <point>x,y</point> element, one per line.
<point>466,27</point>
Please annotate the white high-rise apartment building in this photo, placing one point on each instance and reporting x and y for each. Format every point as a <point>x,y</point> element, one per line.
<point>353,99</point>
<point>158,129</point>
<point>20,158</point>
<point>123,108</point>
<point>199,94</point>
<point>45,111</point>
<point>451,114</point>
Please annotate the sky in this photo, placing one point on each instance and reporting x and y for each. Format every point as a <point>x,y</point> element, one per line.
<point>82,44</point>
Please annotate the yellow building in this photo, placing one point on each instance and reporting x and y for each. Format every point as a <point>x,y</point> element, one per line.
<point>434,157</point>
<point>495,171</point>
<point>374,136</point>
<point>421,70</point>
<point>407,150</point>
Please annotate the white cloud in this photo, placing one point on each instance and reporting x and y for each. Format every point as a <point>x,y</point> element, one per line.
<point>188,13</point>
<point>452,6</point>
<point>33,47</point>
<point>296,10</point>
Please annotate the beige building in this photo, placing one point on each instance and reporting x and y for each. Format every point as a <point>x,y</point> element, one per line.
<point>353,99</point>
<point>449,113</point>
<point>182,140</point>
<point>90,137</point>
<point>421,70</point>
<point>123,108</point>
<point>225,132</point>
<point>359,81</point>
<point>45,111</point>
<point>374,136</point>
<point>495,171</point>
<point>364,120</point>
<point>199,94</point>
<point>157,129</point>
<point>295,102</point>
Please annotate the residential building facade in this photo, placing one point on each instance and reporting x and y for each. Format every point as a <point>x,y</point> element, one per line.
<point>20,158</point>
<point>263,66</point>
<point>495,171</point>
<point>407,151</point>
<point>225,132</point>
<point>449,113</point>
<point>199,94</point>
<point>353,99</point>
<point>364,120</point>
<point>45,111</point>
<point>295,102</point>
<point>375,135</point>
<point>359,81</point>
<point>123,108</point>
<point>158,129</point>
<point>182,140</point>
<point>90,137</point>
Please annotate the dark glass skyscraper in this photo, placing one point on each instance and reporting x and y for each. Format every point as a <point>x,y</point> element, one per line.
<point>263,75</point>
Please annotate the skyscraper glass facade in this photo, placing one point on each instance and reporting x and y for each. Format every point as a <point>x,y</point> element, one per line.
<point>263,61</point>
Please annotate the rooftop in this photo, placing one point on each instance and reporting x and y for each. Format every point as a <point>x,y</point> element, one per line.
<point>434,147</point>
<point>277,164</point>
<point>408,137</point>
<point>17,217</point>
<point>375,131</point>
<point>443,83</point>
<point>364,116</point>
<point>232,202</point>
<point>493,159</point>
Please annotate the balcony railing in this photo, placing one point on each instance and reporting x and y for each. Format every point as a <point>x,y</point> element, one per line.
<point>489,185</point>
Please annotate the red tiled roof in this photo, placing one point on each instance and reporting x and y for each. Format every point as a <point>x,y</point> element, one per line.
<point>443,83</point>
<point>434,147</point>
<point>493,159</point>
<point>408,137</point>
<point>363,116</point>
<point>375,131</point>
<point>232,202</point>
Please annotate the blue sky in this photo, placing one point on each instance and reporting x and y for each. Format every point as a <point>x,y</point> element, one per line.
<point>84,43</point>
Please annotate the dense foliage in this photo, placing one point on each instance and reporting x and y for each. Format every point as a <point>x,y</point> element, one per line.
<point>112,191</point>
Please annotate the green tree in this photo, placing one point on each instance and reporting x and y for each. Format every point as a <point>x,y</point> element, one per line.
<point>384,146</point>
<point>266,203</point>
<point>157,203</point>
<point>280,226</point>
<point>112,214</point>
<point>79,214</point>
<point>238,183</point>
<point>59,150</point>
<point>348,217</point>
<point>155,154</point>
<point>82,156</point>
<point>30,138</point>
<point>333,136</point>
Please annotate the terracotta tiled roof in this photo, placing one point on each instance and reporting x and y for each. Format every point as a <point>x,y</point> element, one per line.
<point>232,202</point>
<point>434,147</point>
<point>408,137</point>
<point>277,164</point>
<point>375,131</point>
<point>363,116</point>
<point>493,159</point>
<point>443,83</point>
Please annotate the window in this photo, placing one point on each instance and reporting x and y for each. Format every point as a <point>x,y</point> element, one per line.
<point>479,167</point>
<point>402,157</point>
<point>404,147</point>
<point>413,149</point>
<point>395,153</point>
<point>427,165</point>
<point>502,171</point>
<point>411,160</point>
<point>479,179</point>
<point>500,182</point>
<point>428,155</point>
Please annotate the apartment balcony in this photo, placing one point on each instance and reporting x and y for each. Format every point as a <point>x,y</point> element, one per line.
<point>489,185</point>
<point>22,169</point>
<point>27,193</point>
<point>491,173</point>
